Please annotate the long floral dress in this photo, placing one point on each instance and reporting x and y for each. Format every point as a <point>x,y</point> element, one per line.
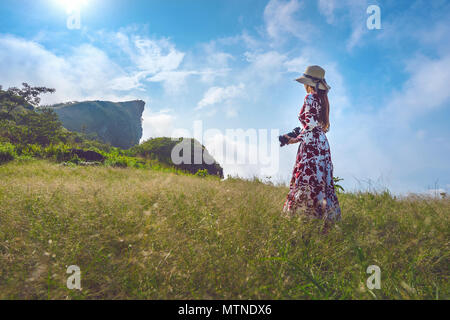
<point>312,187</point>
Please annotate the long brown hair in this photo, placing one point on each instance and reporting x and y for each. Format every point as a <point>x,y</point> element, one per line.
<point>324,114</point>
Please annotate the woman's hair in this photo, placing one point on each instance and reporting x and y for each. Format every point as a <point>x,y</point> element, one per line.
<point>324,115</point>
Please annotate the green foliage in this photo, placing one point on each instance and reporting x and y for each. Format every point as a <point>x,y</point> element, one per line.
<point>38,132</point>
<point>39,127</point>
<point>75,160</point>
<point>337,187</point>
<point>22,123</point>
<point>117,161</point>
<point>7,153</point>
<point>58,152</point>
<point>118,124</point>
<point>26,96</point>
<point>31,150</point>
<point>159,149</point>
<point>202,173</point>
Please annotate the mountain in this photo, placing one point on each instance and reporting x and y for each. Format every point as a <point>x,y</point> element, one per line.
<point>116,123</point>
<point>161,149</point>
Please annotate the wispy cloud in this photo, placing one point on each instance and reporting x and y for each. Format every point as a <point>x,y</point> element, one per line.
<point>217,95</point>
<point>86,72</point>
<point>425,90</point>
<point>347,12</point>
<point>281,18</point>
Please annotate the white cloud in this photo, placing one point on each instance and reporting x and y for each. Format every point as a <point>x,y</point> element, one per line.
<point>280,18</point>
<point>173,81</point>
<point>264,69</point>
<point>425,90</point>
<point>327,7</point>
<point>157,124</point>
<point>156,56</point>
<point>217,95</point>
<point>345,12</point>
<point>128,82</point>
<point>85,73</point>
<point>356,36</point>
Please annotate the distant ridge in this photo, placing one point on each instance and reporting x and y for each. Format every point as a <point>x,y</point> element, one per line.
<point>116,123</point>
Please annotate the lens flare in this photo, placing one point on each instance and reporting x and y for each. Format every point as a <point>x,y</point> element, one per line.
<point>72,5</point>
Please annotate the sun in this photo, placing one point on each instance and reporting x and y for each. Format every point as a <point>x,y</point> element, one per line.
<point>72,5</point>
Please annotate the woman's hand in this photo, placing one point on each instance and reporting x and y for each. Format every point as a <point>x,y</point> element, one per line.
<point>291,140</point>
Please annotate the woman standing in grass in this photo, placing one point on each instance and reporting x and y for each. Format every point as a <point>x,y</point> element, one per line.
<point>312,187</point>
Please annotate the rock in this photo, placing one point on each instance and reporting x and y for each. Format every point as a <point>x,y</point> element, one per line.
<point>88,156</point>
<point>118,124</point>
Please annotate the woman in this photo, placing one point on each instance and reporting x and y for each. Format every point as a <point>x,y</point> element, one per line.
<point>312,187</point>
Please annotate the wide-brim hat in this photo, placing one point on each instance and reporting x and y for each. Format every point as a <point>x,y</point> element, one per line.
<point>314,76</point>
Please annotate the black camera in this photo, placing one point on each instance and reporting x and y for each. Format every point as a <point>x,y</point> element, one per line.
<point>294,134</point>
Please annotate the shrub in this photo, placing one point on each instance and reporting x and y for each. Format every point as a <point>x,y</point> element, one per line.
<point>31,150</point>
<point>7,153</point>
<point>202,173</point>
<point>337,187</point>
<point>75,160</point>
<point>60,152</point>
<point>118,161</point>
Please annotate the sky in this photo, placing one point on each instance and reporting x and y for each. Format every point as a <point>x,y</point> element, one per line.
<point>231,64</point>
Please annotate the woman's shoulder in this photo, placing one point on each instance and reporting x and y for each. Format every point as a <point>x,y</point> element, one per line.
<point>311,98</point>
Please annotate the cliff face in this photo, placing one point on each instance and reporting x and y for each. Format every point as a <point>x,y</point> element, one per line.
<point>119,124</point>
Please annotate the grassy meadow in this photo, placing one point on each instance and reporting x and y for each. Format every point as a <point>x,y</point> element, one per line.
<point>147,234</point>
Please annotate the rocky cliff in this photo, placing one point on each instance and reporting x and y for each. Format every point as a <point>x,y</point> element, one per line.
<point>116,123</point>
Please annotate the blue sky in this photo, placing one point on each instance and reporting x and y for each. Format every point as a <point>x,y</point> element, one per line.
<point>231,64</point>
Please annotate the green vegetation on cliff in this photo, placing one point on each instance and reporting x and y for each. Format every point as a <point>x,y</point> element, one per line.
<point>161,149</point>
<point>118,124</point>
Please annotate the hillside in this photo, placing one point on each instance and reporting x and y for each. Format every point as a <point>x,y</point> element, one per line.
<point>119,124</point>
<point>161,149</point>
<point>96,127</point>
<point>147,234</point>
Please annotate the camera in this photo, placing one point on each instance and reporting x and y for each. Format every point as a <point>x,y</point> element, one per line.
<point>293,134</point>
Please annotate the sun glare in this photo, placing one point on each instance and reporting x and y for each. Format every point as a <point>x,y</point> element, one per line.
<point>71,5</point>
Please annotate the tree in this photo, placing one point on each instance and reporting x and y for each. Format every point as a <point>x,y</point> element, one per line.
<point>30,125</point>
<point>27,97</point>
<point>30,94</point>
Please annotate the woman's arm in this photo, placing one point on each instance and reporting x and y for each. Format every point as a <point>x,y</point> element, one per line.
<point>309,115</point>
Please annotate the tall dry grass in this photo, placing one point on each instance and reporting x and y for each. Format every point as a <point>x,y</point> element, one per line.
<point>140,234</point>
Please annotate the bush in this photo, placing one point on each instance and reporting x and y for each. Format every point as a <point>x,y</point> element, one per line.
<point>75,160</point>
<point>118,161</point>
<point>7,153</point>
<point>202,173</point>
<point>60,152</point>
<point>31,150</point>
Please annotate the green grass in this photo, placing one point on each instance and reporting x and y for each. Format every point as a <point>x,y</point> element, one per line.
<point>147,234</point>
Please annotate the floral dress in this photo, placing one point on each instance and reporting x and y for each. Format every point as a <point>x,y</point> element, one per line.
<point>312,187</point>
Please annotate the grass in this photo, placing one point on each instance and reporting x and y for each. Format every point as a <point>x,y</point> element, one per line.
<point>146,234</point>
